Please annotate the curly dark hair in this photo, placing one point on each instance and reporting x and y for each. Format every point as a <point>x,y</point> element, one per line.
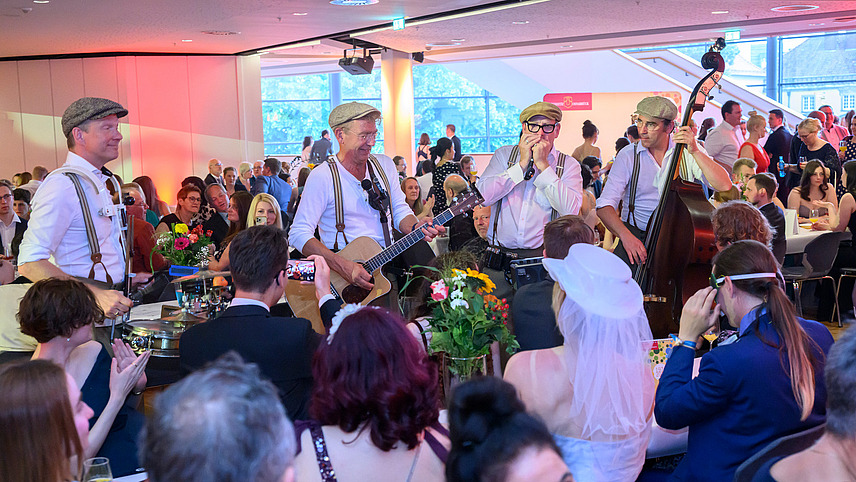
<point>56,307</point>
<point>374,375</point>
<point>738,220</point>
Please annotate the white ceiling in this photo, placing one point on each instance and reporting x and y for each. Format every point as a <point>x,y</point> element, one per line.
<point>64,27</point>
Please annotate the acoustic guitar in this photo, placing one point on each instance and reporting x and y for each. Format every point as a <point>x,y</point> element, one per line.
<point>367,252</point>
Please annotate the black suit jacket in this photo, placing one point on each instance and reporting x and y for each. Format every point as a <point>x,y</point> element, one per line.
<point>778,144</point>
<point>209,179</point>
<point>239,186</point>
<point>218,226</point>
<point>776,218</point>
<point>19,235</point>
<point>532,316</point>
<point>281,347</point>
<point>457,143</point>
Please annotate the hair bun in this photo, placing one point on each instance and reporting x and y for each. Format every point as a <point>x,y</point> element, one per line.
<point>481,406</point>
<point>587,123</point>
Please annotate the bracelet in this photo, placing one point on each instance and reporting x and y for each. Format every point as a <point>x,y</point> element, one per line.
<point>137,393</point>
<point>686,343</point>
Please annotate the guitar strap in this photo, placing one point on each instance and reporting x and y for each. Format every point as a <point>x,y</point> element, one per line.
<point>382,205</point>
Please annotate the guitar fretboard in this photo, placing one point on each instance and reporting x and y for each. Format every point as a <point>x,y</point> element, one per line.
<point>402,244</point>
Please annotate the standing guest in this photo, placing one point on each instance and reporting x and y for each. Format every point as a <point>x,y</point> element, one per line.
<point>245,174</point>
<point>778,146</point>
<point>218,224</point>
<point>38,175</point>
<point>832,132</point>
<point>723,141</point>
<point>815,148</point>
<point>230,177</point>
<point>587,148</point>
<point>281,347</point>
<point>12,227</point>
<point>265,206</point>
<point>849,152</point>
<point>59,314</point>
<point>594,392</point>
<point>215,172</point>
<point>307,149</point>
<point>21,203</point>
<point>422,152</point>
<point>450,133</point>
<point>145,260</point>
<point>22,178</point>
<point>238,215</point>
<point>767,384</point>
<point>321,149</point>
<point>797,143</point>
<point>494,439</point>
<point>594,164</point>
<point>814,193</point>
<point>400,166</point>
<point>235,429</point>
<point>533,319</point>
<point>706,126</point>
<point>270,182</point>
<point>524,188</point>
<point>45,423</point>
<point>375,404</point>
<point>297,192</point>
<point>189,201</point>
<point>413,196</point>
<point>426,180</point>
<point>468,169</point>
<point>656,121</point>
<point>442,155</point>
<point>56,244</point>
<point>760,191</point>
<point>756,126</point>
<point>159,207</point>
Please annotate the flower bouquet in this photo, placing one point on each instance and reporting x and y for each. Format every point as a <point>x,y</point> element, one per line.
<point>467,319</point>
<point>183,246</point>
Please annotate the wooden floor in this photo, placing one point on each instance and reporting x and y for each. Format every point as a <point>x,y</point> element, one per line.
<point>836,331</point>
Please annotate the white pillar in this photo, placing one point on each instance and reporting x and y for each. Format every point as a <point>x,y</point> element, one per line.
<point>397,101</point>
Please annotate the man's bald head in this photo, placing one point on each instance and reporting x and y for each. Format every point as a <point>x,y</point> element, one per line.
<point>215,167</point>
<point>456,184</point>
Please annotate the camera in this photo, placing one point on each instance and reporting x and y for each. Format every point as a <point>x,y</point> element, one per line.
<point>494,257</point>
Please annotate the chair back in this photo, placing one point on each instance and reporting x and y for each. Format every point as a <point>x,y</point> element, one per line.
<point>820,254</point>
<point>779,448</point>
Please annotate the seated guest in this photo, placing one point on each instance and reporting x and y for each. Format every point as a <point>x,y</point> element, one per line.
<point>375,404</point>
<point>270,182</point>
<point>222,422</point>
<point>738,220</point>
<point>230,178</point>
<point>265,206</point>
<point>149,215</point>
<point>761,191</point>
<point>189,200</point>
<point>12,227</point>
<point>814,193</point>
<point>756,126</point>
<point>281,347</point>
<point>468,169</point>
<point>21,203</point>
<point>481,221</point>
<point>14,345</point>
<point>595,391</point>
<point>833,456</point>
<point>534,322</point>
<point>238,215</point>
<point>144,260</point>
<point>461,229</point>
<point>218,224</point>
<point>205,209</point>
<point>587,210</point>
<point>160,208</point>
<point>426,179</point>
<point>494,439</point>
<point>741,171</point>
<point>849,152</point>
<point>59,314</point>
<point>846,210</point>
<point>413,194</point>
<point>45,423</point>
<point>767,384</point>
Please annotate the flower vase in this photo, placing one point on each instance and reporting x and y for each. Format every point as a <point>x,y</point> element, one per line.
<point>458,370</point>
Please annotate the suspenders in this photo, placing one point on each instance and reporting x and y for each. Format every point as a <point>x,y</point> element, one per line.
<point>337,196</point>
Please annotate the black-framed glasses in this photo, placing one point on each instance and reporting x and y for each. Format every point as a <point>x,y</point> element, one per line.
<point>533,128</point>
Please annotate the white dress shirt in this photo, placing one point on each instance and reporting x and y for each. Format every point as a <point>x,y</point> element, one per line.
<point>652,180</point>
<point>723,143</point>
<point>527,205</point>
<point>56,227</point>
<point>31,186</point>
<point>318,206</point>
<point>248,302</point>
<point>7,232</point>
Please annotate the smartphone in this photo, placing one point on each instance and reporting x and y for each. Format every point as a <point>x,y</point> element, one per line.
<point>261,220</point>
<point>300,270</point>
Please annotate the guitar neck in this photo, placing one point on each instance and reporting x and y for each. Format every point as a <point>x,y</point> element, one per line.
<point>404,243</point>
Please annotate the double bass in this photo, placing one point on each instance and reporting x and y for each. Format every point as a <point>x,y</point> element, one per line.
<point>679,241</point>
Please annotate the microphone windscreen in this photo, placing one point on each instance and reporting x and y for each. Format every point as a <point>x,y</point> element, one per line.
<point>366,184</point>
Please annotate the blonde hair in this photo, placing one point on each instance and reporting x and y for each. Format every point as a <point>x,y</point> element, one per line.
<point>264,197</point>
<point>244,167</point>
<point>810,124</point>
<point>754,121</point>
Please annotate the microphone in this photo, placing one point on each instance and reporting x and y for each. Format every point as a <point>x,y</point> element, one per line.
<point>366,184</point>
<point>530,171</point>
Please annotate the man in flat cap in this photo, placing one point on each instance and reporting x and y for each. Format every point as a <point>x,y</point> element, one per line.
<point>354,182</point>
<point>526,185</point>
<point>638,179</point>
<point>58,227</point>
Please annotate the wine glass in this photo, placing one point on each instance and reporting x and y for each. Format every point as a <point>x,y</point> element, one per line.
<point>97,470</point>
<point>814,216</point>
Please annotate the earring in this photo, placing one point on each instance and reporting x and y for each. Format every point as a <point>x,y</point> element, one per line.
<point>68,339</point>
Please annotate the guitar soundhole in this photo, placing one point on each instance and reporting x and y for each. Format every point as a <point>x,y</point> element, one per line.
<point>354,294</point>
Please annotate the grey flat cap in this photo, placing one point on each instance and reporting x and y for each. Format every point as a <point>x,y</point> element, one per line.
<point>89,108</point>
<point>349,111</point>
<point>658,107</point>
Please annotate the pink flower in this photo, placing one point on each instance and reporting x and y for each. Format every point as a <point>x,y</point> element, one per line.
<point>193,238</point>
<point>439,291</point>
<point>181,243</point>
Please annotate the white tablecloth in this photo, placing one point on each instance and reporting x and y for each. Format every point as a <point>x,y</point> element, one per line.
<point>132,478</point>
<point>797,242</point>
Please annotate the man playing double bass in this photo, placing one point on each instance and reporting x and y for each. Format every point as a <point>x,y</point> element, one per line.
<point>638,176</point>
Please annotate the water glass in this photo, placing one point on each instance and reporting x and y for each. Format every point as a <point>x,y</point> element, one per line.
<point>97,470</point>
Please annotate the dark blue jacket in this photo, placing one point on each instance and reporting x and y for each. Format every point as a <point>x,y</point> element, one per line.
<point>740,401</point>
<point>274,186</point>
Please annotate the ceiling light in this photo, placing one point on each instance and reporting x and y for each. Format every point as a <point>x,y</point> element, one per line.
<point>41,1</point>
<point>565,46</point>
<point>520,22</point>
<point>719,12</point>
<point>443,44</point>
<point>844,19</point>
<point>300,14</point>
<point>816,24</point>
<point>308,43</point>
<point>458,39</point>
<point>794,8</point>
<point>187,40</point>
<point>220,33</point>
<point>353,3</point>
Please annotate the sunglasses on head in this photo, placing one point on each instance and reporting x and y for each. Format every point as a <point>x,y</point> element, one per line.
<point>715,282</point>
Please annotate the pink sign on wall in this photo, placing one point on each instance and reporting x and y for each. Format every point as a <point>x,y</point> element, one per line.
<point>578,101</point>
